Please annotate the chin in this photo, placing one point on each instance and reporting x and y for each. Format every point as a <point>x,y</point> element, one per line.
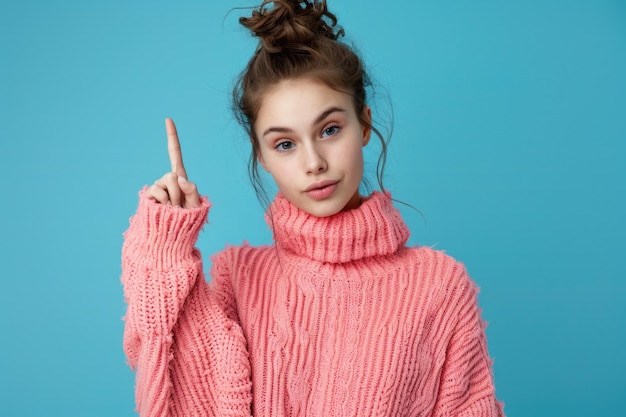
<point>321,208</point>
<point>321,211</point>
<point>334,204</point>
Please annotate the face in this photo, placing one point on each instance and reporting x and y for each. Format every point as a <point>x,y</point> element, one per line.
<point>311,142</point>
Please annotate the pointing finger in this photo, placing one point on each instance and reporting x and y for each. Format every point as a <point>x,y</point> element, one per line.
<point>192,199</point>
<point>173,149</point>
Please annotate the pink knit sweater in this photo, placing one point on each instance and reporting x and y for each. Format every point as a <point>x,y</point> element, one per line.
<point>339,318</point>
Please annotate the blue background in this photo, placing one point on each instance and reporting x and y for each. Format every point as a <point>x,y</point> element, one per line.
<point>509,138</point>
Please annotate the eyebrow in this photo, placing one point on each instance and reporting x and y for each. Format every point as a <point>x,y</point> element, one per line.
<point>321,117</point>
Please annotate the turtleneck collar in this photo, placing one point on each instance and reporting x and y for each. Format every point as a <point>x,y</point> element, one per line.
<point>374,228</point>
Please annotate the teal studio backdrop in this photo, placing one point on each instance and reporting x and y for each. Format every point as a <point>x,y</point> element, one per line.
<point>510,121</point>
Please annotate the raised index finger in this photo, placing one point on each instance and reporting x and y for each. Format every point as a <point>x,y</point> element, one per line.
<point>173,149</point>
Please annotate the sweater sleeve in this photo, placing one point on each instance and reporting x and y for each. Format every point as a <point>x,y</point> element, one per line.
<point>466,387</point>
<point>176,337</point>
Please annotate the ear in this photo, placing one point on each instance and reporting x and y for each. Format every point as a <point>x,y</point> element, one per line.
<point>367,118</point>
<point>259,157</point>
<point>259,154</point>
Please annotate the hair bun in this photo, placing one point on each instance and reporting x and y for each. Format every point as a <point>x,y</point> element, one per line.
<point>291,25</point>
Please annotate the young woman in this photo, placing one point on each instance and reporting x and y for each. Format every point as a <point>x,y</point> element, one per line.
<point>338,317</point>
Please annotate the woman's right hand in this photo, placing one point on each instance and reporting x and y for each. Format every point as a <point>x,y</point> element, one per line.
<point>173,188</point>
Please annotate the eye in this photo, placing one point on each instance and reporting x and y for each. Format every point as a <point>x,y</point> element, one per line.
<point>331,130</point>
<point>284,146</point>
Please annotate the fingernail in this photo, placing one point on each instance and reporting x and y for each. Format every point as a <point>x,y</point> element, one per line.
<point>182,180</point>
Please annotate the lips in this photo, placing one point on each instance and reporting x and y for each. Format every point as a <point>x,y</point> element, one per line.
<point>321,190</point>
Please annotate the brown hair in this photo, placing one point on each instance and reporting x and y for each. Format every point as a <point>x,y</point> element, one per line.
<point>297,39</point>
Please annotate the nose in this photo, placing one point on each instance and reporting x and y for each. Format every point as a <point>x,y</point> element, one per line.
<point>314,160</point>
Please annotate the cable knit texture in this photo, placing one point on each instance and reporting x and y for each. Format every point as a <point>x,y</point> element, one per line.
<point>339,318</point>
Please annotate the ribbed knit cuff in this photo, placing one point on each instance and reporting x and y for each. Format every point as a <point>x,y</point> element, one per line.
<point>165,235</point>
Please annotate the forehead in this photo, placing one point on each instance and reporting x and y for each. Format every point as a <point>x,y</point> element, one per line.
<point>299,100</point>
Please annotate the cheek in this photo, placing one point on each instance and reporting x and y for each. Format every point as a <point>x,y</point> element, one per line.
<point>281,174</point>
<point>357,159</point>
